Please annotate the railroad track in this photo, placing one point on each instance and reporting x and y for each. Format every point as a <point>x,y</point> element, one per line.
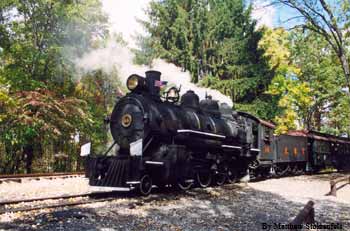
<point>23,205</point>
<point>59,201</point>
<point>37,176</point>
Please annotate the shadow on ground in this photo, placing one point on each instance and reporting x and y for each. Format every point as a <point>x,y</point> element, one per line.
<point>231,207</point>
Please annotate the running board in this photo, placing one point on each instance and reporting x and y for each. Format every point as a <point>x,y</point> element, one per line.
<point>133,182</point>
<point>231,147</point>
<point>200,133</point>
<point>154,162</point>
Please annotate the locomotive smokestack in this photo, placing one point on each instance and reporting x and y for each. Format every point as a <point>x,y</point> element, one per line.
<point>153,77</point>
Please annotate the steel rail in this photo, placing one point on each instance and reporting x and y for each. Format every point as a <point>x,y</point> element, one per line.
<point>26,209</point>
<point>110,195</point>
<point>53,174</point>
<point>8,202</point>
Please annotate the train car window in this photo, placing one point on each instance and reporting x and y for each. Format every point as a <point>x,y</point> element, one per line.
<point>267,149</point>
<point>255,131</point>
<point>267,133</point>
<point>295,151</point>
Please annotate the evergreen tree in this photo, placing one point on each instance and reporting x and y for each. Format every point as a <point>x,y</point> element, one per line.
<point>217,41</point>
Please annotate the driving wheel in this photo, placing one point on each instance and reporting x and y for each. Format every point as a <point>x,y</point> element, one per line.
<point>203,179</point>
<point>145,186</point>
<point>184,184</point>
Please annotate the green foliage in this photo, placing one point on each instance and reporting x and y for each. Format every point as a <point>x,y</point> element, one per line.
<point>296,99</point>
<point>41,38</point>
<point>40,108</point>
<point>6,101</point>
<point>308,82</point>
<point>330,21</point>
<point>145,53</point>
<point>100,90</point>
<point>215,40</point>
<point>323,74</point>
<point>264,106</point>
<point>42,113</point>
<point>338,118</point>
<point>39,118</point>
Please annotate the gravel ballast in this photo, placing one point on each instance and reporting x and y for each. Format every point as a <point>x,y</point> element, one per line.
<point>230,207</point>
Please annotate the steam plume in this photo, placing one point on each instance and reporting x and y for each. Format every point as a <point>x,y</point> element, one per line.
<point>115,56</point>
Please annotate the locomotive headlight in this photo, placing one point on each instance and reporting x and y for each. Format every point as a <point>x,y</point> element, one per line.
<point>135,82</point>
<point>126,120</point>
<point>132,82</point>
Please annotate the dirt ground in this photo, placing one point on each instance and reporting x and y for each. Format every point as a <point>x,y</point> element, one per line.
<point>250,206</point>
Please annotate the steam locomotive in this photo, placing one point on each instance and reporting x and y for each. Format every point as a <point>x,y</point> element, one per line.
<point>165,140</point>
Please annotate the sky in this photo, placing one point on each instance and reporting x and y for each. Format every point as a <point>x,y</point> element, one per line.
<point>123,15</point>
<point>272,15</point>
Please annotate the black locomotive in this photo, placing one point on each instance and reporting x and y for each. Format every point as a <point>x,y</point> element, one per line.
<point>166,142</point>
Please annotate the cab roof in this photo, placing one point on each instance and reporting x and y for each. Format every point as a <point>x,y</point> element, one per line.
<point>263,122</point>
<point>319,136</point>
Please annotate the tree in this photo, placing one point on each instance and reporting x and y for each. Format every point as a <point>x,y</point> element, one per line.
<point>307,81</point>
<point>320,70</point>
<point>292,96</point>
<point>40,38</point>
<point>100,90</point>
<point>38,117</point>
<point>216,41</point>
<point>39,41</point>
<point>331,20</point>
<point>338,118</point>
<point>6,102</point>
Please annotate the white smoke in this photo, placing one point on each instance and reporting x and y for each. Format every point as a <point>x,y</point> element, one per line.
<point>174,75</point>
<point>116,56</point>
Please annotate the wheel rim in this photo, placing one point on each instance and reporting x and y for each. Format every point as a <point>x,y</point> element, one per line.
<point>301,169</point>
<point>204,179</point>
<point>220,179</point>
<point>146,185</point>
<point>183,185</point>
<point>295,170</point>
<point>231,176</point>
<point>282,171</point>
